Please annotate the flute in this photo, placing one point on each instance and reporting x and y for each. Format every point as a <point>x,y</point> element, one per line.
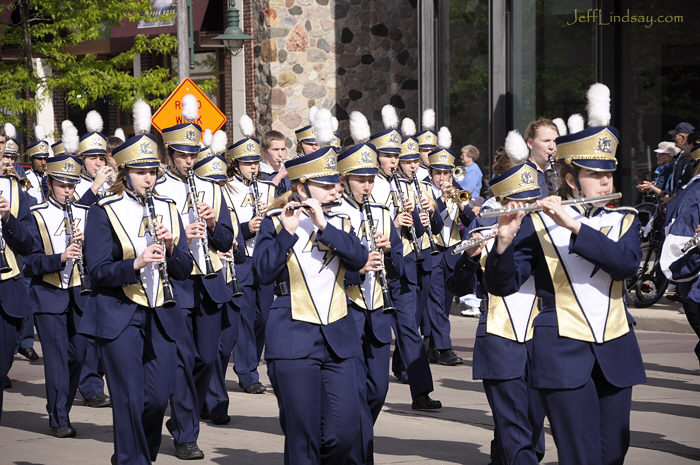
<point>537,208</point>
<point>335,203</point>
<point>691,244</point>
<point>473,242</point>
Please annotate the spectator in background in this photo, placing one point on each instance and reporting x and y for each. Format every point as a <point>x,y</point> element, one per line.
<point>660,186</point>
<point>683,164</point>
<point>472,172</point>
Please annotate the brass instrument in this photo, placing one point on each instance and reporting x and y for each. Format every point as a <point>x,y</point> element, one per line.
<point>168,298</point>
<point>429,229</point>
<point>458,173</point>
<point>335,203</point>
<point>4,264</point>
<point>381,274</point>
<point>209,272</point>
<point>460,197</point>
<point>473,242</point>
<point>84,287</point>
<point>9,170</point>
<point>398,203</point>
<point>537,208</point>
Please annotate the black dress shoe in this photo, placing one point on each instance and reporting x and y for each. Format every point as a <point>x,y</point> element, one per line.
<point>255,388</point>
<point>220,419</point>
<point>449,358</point>
<point>424,402</point>
<point>65,431</point>
<point>99,400</point>
<point>29,353</point>
<point>188,451</point>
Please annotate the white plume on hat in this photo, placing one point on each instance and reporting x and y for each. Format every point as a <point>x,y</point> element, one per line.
<point>39,132</point>
<point>190,108</point>
<point>428,121</point>
<point>312,114</point>
<point>408,127</point>
<point>516,148</point>
<point>598,105</point>
<point>10,131</point>
<point>93,121</point>
<point>323,126</point>
<point>207,137</point>
<point>119,132</point>
<point>219,142</point>
<point>561,126</point>
<point>245,124</point>
<point>70,138</point>
<point>335,124</point>
<point>444,138</point>
<point>389,117</point>
<point>359,127</point>
<point>575,123</point>
<point>142,117</point>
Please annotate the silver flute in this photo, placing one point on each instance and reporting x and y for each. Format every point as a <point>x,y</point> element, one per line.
<point>474,241</point>
<point>691,244</point>
<point>538,208</point>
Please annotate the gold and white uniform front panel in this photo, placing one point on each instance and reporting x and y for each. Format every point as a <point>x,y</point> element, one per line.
<point>9,188</point>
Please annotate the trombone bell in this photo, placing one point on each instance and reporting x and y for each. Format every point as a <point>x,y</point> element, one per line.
<point>458,173</point>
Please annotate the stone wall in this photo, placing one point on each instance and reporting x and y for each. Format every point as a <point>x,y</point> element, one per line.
<point>341,54</point>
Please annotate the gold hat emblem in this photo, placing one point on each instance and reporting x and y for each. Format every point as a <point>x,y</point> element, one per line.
<point>443,157</point>
<point>250,146</point>
<point>145,148</point>
<point>394,138</point>
<point>365,157</point>
<point>68,167</point>
<point>216,165</point>
<point>96,142</point>
<point>411,145</point>
<point>43,146</point>
<point>428,137</point>
<point>526,178</point>
<point>190,135</point>
<point>604,145</point>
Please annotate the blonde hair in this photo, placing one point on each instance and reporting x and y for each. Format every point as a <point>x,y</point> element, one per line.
<point>532,128</point>
<point>471,152</point>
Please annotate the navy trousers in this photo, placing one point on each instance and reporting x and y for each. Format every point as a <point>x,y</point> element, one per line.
<point>408,340</point>
<point>9,328</point>
<point>373,374</point>
<point>140,368</point>
<point>319,406</point>
<point>246,355</point>
<point>591,423</point>
<point>217,400</point>
<point>91,380</point>
<point>438,309</point>
<point>197,357</point>
<point>518,416</point>
<point>63,349</point>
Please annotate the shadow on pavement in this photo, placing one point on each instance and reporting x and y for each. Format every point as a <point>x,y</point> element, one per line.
<point>653,441</point>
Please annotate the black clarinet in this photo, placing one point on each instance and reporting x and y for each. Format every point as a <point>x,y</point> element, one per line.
<point>237,291</point>
<point>168,298</point>
<point>4,264</point>
<point>398,202</point>
<point>256,194</point>
<point>419,196</point>
<point>552,175</point>
<point>84,287</point>
<point>209,272</point>
<point>381,274</point>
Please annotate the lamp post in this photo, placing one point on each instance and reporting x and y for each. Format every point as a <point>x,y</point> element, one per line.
<point>233,37</point>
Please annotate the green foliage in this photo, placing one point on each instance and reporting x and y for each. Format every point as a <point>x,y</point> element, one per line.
<point>55,29</point>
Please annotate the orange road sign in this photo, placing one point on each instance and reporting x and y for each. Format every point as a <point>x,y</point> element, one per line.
<point>170,113</point>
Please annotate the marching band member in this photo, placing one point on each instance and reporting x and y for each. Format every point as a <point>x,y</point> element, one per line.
<point>427,142</point>
<point>251,198</point>
<point>306,137</point>
<point>211,165</point>
<point>367,290</point>
<point>11,151</point>
<point>129,271</point>
<point>96,175</point>
<point>540,138</point>
<point>679,255</point>
<point>58,281</point>
<point>202,296</point>
<point>504,333</point>
<point>38,153</point>
<point>404,290</point>
<point>311,343</point>
<point>274,153</point>
<point>585,354</point>
<point>15,239</point>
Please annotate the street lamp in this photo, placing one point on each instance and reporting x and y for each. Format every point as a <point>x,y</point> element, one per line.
<point>233,36</point>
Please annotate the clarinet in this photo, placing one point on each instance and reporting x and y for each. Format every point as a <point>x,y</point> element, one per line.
<point>84,287</point>
<point>552,174</point>
<point>419,196</point>
<point>256,194</point>
<point>4,264</point>
<point>411,229</point>
<point>168,298</point>
<point>209,268</point>
<point>381,274</point>
<point>237,291</point>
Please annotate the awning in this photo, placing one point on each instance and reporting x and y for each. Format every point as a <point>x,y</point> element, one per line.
<point>122,38</point>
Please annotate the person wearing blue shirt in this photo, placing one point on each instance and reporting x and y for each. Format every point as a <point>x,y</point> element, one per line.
<point>472,173</point>
<point>660,186</point>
